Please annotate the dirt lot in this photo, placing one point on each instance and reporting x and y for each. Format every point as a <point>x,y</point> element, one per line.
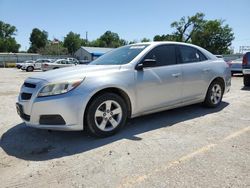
<point>187,147</point>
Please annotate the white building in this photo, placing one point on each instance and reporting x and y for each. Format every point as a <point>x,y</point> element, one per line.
<point>90,53</point>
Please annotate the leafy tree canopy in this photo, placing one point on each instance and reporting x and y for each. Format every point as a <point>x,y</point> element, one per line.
<point>109,40</point>
<point>7,41</point>
<point>212,35</point>
<point>73,42</point>
<point>38,40</point>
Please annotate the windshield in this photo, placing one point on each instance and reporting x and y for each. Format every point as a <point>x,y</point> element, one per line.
<point>119,56</point>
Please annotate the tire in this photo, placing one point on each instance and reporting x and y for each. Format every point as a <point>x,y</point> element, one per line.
<point>29,69</point>
<point>246,80</point>
<point>214,94</point>
<point>56,68</point>
<point>100,117</point>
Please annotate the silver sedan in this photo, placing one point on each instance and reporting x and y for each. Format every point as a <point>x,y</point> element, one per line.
<point>127,82</point>
<point>59,63</point>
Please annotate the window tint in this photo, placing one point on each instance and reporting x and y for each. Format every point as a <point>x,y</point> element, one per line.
<point>189,55</point>
<point>164,55</point>
<point>202,56</point>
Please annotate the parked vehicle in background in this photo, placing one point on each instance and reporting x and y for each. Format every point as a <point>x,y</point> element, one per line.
<point>219,56</point>
<point>20,64</point>
<point>127,82</point>
<point>235,66</point>
<point>72,59</point>
<point>246,69</point>
<point>37,65</point>
<point>84,62</point>
<point>60,63</point>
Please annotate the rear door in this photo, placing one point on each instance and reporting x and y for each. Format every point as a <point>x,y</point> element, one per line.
<point>194,69</point>
<point>38,64</point>
<point>160,85</point>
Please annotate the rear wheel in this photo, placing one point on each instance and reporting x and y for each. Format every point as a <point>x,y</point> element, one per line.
<point>246,80</point>
<point>106,115</point>
<point>214,94</point>
<point>29,69</point>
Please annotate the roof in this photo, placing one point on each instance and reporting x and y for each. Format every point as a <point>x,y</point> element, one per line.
<point>10,53</point>
<point>96,50</point>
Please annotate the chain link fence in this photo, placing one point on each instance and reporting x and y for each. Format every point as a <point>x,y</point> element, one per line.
<point>13,58</point>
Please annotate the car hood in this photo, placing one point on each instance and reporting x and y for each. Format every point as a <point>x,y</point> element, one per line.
<point>76,72</point>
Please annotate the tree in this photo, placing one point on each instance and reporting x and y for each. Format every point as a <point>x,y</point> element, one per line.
<point>109,40</point>
<point>54,47</point>
<point>145,40</point>
<point>38,40</point>
<point>214,36</point>
<point>7,41</point>
<point>209,34</point>
<point>186,27</point>
<point>72,42</point>
<point>165,38</point>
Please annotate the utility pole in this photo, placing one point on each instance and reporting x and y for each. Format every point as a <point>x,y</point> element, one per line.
<point>86,36</point>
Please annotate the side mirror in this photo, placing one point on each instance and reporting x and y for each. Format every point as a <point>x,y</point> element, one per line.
<point>146,63</point>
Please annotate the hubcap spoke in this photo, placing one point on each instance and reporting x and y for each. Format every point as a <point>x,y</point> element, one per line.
<point>116,111</point>
<point>108,105</point>
<point>103,124</point>
<point>99,113</point>
<point>218,95</point>
<point>113,122</point>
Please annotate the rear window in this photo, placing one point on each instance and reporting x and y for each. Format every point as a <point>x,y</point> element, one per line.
<point>191,55</point>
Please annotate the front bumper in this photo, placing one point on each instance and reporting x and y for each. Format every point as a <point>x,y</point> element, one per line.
<point>70,106</point>
<point>246,71</point>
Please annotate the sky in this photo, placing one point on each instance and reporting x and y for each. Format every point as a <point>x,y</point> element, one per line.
<point>131,19</point>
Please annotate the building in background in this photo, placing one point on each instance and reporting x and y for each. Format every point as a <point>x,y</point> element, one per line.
<point>87,54</point>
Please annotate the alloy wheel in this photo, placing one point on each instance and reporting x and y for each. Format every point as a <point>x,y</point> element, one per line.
<point>216,94</point>
<point>108,115</point>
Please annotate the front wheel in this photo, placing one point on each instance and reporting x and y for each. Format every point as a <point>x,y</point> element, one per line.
<point>106,115</point>
<point>246,80</point>
<point>29,69</point>
<point>214,94</point>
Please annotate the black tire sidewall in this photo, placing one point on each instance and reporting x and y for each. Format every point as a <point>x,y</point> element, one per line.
<point>90,114</point>
<point>246,80</point>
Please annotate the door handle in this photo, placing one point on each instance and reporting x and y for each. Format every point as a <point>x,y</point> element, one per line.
<point>176,75</point>
<point>206,70</point>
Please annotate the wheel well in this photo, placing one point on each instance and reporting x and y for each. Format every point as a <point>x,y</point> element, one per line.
<point>117,91</point>
<point>219,79</point>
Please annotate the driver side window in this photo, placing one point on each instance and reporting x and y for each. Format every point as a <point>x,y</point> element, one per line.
<point>164,55</point>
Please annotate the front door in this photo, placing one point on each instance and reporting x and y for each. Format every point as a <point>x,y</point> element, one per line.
<point>161,85</point>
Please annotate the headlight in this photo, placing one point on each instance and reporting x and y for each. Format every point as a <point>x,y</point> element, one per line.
<point>59,88</point>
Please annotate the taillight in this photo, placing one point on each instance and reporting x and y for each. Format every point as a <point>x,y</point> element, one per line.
<point>229,63</point>
<point>45,65</point>
<point>244,61</point>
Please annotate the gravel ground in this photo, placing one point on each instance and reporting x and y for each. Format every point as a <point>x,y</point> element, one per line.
<point>186,147</point>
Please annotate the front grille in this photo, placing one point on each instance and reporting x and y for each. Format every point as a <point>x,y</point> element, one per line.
<point>26,96</point>
<point>30,85</point>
